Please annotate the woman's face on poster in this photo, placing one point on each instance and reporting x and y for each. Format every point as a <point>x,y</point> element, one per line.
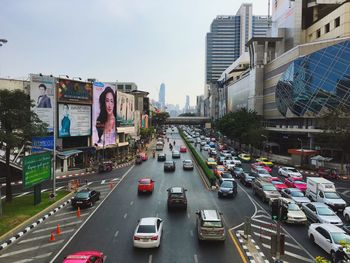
<point>109,103</point>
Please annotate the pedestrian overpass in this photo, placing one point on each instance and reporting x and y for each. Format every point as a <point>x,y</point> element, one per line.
<point>188,120</point>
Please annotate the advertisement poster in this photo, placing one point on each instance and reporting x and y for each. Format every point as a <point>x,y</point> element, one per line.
<point>125,110</point>
<point>36,169</point>
<point>42,93</point>
<point>137,118</point>
<point>74,120</point>
<point>74,91</point>
<point>103,114</point>
<point>40,144</point>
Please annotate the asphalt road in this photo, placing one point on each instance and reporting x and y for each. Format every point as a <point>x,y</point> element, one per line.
<point>111,228</point>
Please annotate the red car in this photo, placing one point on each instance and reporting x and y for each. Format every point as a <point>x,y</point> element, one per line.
<point>85,257</point>
<point>278,183</point>
<point>145,185</point>
<point>295,182</point>
<point>144,156</point>
<point>183,149</point>
<point>261,164</point>
<point>218,170</point>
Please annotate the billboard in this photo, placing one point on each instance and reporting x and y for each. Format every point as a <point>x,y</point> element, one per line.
<point>103,114</point>
<point>125,109</point>
<point>42,142</point>
<point>42,90</point>
<point>74,120</point>
<point>74,91</point>
<point>36,169</point>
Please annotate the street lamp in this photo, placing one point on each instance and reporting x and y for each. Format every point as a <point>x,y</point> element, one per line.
<point>2,41</point>
<point>267,140</point>
<point>301,148</point>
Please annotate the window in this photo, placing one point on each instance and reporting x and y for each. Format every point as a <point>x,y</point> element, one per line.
<point>337,22</point>
<point>326,28</point>
<point>318,33</point>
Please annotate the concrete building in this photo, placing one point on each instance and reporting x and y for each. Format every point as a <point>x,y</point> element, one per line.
<point>162,96</point>
<point>12,84</point>
<point>126,87</point>
<point>187,104</point>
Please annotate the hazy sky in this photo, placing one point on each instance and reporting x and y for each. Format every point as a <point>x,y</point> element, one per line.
<point>144,41</point>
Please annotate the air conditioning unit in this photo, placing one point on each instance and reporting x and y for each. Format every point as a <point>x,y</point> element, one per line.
<point>283,126</point>
<point>296,127</point>
<point>278,126</point>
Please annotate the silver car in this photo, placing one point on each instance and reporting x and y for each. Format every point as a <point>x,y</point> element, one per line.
<point>210,225</point>
<point>176,154</point>
<point>321,213</point>
<point>187,165</point>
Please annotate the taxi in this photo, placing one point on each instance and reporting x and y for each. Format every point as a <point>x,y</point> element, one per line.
<point>265,161</point>
<point>211,162</point>
<point>295,182</point>
<point>85,257</point>
<point>218,170</point>
<point>244,157</point>
<point>145,185</point>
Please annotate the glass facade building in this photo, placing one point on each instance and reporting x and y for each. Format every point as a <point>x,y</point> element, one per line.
<point>315,83</point>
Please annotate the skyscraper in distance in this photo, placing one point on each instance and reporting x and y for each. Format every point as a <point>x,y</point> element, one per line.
<point>162,95</point>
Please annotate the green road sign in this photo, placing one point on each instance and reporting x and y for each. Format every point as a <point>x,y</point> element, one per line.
<point>36,169</point>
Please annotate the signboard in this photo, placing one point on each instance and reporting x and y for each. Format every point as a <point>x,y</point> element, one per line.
<point>74,91</point>
<point>36,169</point>
<point>207,125</point>
<point>42,142</point>
<point>74,120</point>
<point>42,93</point>
<point>103,114</point>
<point>125,109</point>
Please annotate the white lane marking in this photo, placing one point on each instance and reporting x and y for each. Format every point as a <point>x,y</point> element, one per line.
<point>30,248</point>
<point>264,228</point>
<point>132,202</point>
<point>264,222</point>
<point>291,254</point>
<point>115,179</point>
<point>104,258</point>
<point>195,258</point>
<point>188,215</point>
<point>116,234</point>
<point>191,233</point>
<point>66,218</point>
<point>159,202</point>
<point>103,181</point>
<point>89,183</point>
<point>3,197</point>
<point>125,215</point>
<point>93,212</point>
<point>25,193</point>
<point>42,237</point>
<point>150,259</point>
<point>54,227</point>
<point>70,213</point>
<point>33,258</point>
<point>269,238</point>
<point>59,188</point>
<point>44,190</point>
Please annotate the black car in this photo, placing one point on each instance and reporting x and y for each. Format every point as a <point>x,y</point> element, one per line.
<point>237,171</point>
<point>225,175</point>
<point>227,189</point>
<point>177,197</point>
<point>161,157</point>
<point>169,166</point>
<point>85,198</point>
<point>246,179</point>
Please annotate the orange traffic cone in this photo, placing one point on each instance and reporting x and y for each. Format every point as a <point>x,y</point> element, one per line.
<point>52,237</point>
<point>58,229</point>
<point>78,212</point>
<point>110,185</point>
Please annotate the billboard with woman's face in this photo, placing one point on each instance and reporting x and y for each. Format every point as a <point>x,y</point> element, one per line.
<point>125,109</point>
<point>103,114</point>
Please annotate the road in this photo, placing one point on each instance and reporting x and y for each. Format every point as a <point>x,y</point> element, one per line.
<point>111,228</point>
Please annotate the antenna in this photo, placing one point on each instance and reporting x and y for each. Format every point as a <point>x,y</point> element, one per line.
<point>268,13</point>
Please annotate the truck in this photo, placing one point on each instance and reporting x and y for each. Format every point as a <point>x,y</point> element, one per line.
<point>322,190</point>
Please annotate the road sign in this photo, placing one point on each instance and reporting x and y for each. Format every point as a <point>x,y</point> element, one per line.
<point>36,169</point>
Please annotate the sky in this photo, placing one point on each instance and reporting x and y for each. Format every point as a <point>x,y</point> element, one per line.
<point>148,42</point>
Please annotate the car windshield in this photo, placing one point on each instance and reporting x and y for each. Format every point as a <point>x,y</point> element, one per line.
<point>297,194</point>
<point>269,188</point>
<point>188,161</point>
<point>332,195</point>
<point>146,229</point>
<point>340,238</point>
<point>276,182</point>
<point>212,224</point>
<point>292,170</point>
<point>262,171</point>
<point>226,175</point>
<point>227,184</point>
<point>325,211</point>
<point>264,159</point>
<point>221,169</point>
<point>168,163</point>
<point>82,195</point>
<point>145,182</point>
<point>293,207</point>
<point>211,160</point>
<point>238,169</point>
<point>299,182</point>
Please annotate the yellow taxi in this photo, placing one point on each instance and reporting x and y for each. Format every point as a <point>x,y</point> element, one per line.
<point>211,162</point>
<point>265,161</point>
<point>244,157</point>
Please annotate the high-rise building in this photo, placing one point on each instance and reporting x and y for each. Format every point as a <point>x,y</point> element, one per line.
<point>187,104</point>
<point>162,95</point>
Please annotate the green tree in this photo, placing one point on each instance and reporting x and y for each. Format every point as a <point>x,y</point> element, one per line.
<point>146,132</point>
<point>187,114</point>
<point>18,125</point>
<point>159,118</point>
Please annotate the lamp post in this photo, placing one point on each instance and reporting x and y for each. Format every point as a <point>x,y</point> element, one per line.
<point>267,141</point>
<point>301,148</point>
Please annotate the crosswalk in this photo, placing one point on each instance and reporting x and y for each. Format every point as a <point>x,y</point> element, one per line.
<point>262,227</point>
<point>36,246</point>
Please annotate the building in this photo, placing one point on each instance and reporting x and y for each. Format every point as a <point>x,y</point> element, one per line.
<point>187,104</point>
<point>162,96</point>
<point>200,106</point>
<point>126,86</point>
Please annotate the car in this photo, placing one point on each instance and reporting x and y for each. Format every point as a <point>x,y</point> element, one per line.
<point>296,195</point>
<point>85,198</point>
<point>265,161</point>
<point>148,232</point>
<point>169,166</point>
<point>210,162</point>
<point>177,197</point>
<point>277,183</point>
<point>294,214</point>
<point>229,164</point>
<point>327,173</point>
<point>236,161</point>
<point>145,185</point>
<point>187,165</point>
<point>203,143</point>
<point>191,140</point>
<point>220,160</point>
<point>265,190</point>
<point>225,176</point>
<point>175,154</point>
<point>210,225</point>
<point>289,172</point>
<point>227,188</point>
<point>144,156</point>
<point>206,147</point>
<point>346,213</point>
<point>212,152</point>
<point>88,256</point>
<point>295,182</point>
<point>262,173</point>
<point>183,149</point>
<point>237,171</point>
<point>218,170</point>
<point>321,213</point>
<point>246,179</point>
<point>329,237</point>
<point>161,157</point>
<point>254,166</point>
<point>244,157</point>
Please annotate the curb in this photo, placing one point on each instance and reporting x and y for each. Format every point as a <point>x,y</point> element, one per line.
<point>37,222</point>
<point>246,250</point>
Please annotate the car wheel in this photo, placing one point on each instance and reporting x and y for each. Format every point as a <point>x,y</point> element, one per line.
<point>91,204</point>
<point>219,195</point>
<point>333,256</point>
<point>264,199</point>
<point>254,193</point>
<point>347,218</point>
<point>312,239</point>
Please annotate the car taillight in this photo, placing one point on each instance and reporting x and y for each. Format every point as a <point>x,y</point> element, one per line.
<point>154,238</point>
<point>136,238</point>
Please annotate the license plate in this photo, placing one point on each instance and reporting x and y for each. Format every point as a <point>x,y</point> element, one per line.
<point>79,202</point>
<point>144,239</point>
<point>144,191</point>
<point>224,194</point>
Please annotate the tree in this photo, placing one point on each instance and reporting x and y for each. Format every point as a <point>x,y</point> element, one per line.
<point>146,132</point>
<point>159,118</point>
<point>187,114</point>
<point>18,125</point>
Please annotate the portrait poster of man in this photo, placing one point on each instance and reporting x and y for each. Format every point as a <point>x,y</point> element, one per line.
<point>103,114</point>
<point>42,93</point>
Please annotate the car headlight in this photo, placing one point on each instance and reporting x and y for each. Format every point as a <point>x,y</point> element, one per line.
<point>230,192</point>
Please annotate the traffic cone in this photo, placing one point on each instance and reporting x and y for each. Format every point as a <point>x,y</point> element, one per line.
<point>58,229</point>
<point>78,212</point>
<point>110,185</point>
<point>52,237</point>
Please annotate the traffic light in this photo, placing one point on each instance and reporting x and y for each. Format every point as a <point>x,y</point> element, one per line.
<point>275,208</point>
<point>284,213</point>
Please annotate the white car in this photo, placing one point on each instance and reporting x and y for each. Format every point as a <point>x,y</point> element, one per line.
<point>236,160</point>
<point>203,143</point>
<point>289,172</point>
<point>229,164</point>
<point>328,237</point>
<point>148,232</point>
<point>206,147</point>
<point>346,214</point>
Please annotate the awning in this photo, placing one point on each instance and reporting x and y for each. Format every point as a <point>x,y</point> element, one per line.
<point>321,158</point>
<point>66,154</point>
